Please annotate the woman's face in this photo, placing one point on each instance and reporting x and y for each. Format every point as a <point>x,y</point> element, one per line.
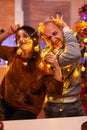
<point>24,42</point>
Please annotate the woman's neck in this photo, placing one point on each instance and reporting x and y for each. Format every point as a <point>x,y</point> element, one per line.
<point>26,55</point>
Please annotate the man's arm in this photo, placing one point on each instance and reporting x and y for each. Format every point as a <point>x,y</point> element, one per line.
<point>71,52</point>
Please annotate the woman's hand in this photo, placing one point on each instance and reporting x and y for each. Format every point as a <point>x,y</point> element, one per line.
<point>12,29</point>
<point>9,31</point>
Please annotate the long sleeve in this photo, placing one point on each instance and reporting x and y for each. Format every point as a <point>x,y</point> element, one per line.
<point>53,86</point>
<point>6,52</point>
<point>71,53</point>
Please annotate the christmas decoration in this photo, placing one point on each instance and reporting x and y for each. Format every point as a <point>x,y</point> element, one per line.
<point>80,31</point>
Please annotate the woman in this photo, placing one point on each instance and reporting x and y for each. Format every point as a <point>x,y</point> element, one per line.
<point>28,78</point>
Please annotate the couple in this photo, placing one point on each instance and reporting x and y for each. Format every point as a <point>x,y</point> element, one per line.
<point>29,78</point>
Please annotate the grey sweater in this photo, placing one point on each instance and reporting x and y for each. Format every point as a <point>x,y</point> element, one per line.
<point>68,58</point>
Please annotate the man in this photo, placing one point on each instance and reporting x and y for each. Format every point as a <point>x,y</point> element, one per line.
<point>62,44</point>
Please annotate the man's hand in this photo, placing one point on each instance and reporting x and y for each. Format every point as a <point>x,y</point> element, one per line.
<point>59,20</point>
<point>52,59</point>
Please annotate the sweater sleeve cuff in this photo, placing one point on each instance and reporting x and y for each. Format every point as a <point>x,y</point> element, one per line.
<point>66,29</point>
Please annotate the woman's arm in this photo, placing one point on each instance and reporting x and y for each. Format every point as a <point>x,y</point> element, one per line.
<point>9,31</point>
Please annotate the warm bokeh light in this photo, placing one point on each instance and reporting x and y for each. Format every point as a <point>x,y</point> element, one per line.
<point>82,68</point>
<point>85,54</point>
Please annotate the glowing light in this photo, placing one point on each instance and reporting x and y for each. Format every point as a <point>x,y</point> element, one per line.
<point>50,98</point>
<point>83,24</point>
<point>80,31</point>
<point>19,51</point>
<point>36,48</point>
<point>85,40</point>
<point>85,54</point>
<point>76,73</point>
<point>25,63</point>
<point>68,69</point>
<point>40,28</point>
<point>84,17</point>
<point>57,21</point>
<point>82,68</point>
<point>48,65</point>
<point>30,41</point>
<point>46,99</point>
<point>41,65</point>
<point>75,33</point>
<point>45,52</point>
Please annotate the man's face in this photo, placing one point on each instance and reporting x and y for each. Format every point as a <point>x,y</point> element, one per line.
<point>52,35</point>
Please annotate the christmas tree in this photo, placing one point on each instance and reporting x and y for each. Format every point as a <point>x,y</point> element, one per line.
<point>80,31</point>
